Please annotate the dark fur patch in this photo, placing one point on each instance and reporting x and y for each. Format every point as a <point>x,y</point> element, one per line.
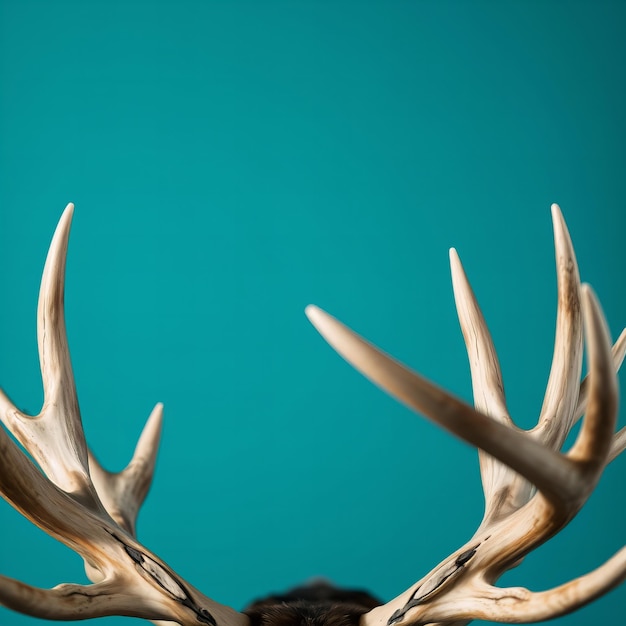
<point>317,604</point>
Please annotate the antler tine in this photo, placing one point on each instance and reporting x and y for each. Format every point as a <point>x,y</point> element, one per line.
<point>517,605</point>
<point>547,470</point>
<point>557,413</point>
<point>597,432</point>
<point>55,437</point>
<point>123,493</point>
<point>504,489</point>
<point>484,365</point>
<point>618,351</point>
<point>67,601</point>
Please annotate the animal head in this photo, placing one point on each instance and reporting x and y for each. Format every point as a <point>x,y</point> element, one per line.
<point>532,488</point>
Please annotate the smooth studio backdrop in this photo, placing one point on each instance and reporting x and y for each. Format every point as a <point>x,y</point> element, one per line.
<point>232,162</point>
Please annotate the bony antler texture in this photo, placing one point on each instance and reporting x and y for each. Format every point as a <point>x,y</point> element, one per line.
<point>532,489</point>
<point>75,501</point>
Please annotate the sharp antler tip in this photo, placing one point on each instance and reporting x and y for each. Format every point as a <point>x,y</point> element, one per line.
<point>154,423</point>
<point>68,212</point>
<point>455,263</point>
<point>155,419</point>
<point>558,220</point>
<point>64,224</point>
<point>312,312</point>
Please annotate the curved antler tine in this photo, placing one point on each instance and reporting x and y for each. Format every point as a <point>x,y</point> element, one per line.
<point>561,391</point>
<point>548,471</point>
<point>55,437</point>
<point>122,494</point>
<point>54,358</point>
<point>129,598</point>
<point>557,413</point>
<point>484,365</point>
<point>596,434</point>
<point>504,489</point>
<point>70,601</point>
<point>618,351</point>
<point>516,605</point>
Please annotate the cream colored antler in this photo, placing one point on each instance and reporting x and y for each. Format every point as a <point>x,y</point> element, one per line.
<point>532,490</point>
<point>75,501</point>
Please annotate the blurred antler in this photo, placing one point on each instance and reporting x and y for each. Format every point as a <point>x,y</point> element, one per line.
<point>75,501</point>
<point>531,489</point>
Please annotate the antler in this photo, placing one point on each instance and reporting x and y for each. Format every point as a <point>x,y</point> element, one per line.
<point>74,500</point>
<point>532,490</point>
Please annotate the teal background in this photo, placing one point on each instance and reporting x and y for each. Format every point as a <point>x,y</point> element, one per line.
<point>232,162</point>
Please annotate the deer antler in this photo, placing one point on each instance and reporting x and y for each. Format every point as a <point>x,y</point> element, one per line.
<point>532,490</point>
<point>75,501</point>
